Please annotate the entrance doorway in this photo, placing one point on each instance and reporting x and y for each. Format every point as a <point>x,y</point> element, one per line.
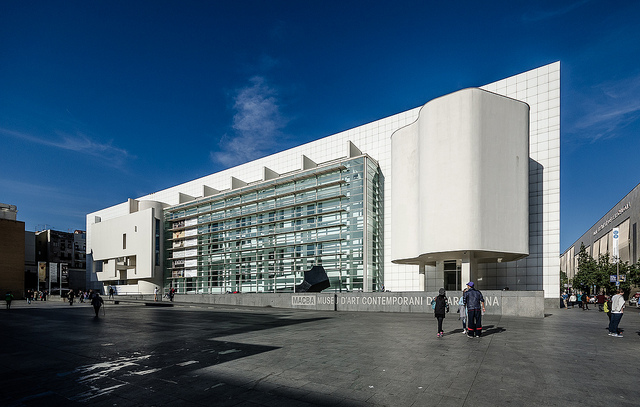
<point>452,275</point>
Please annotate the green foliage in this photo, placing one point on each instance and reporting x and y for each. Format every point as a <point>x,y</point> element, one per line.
<point>596,273</point>
<point>563,281</point>
<point>587,274</point>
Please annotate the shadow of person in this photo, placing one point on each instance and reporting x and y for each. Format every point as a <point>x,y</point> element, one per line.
<point>491,329</point>
<point>455,331</point>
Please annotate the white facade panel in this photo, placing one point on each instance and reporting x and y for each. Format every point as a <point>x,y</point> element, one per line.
<point>130,235</point>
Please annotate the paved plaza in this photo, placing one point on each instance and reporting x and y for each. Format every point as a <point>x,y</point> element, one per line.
<point>136,355</point>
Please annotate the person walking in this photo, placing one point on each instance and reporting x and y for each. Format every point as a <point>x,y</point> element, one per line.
<point>600,301</point>
<point>97,302</point>
<point>111,292</point>
<point>585,301</point>
<point>462,310</point>
<point>617,308</point>
<point>474,301</point>
<point>155,294</point>
<point>440,308</point>
<point>71,297</point>
<point>572,300</point>
<point>8,297</point>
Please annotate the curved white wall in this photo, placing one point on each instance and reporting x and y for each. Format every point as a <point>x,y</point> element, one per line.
<point>460,177</point>
<point>157,206</point>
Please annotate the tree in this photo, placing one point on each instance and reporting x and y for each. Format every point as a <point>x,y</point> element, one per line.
<point>605,270</point>
<point>630,273</point>
<point>597,273</point>
<point>564,281</point>
<point>634,274</point>
<point>587,274</point>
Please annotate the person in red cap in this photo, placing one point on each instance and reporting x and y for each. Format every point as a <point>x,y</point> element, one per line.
<point>474,301</point>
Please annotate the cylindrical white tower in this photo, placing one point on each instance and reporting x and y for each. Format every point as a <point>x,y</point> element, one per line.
<point>460,177</point>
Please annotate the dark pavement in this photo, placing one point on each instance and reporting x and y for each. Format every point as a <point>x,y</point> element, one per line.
<point>54,354</point>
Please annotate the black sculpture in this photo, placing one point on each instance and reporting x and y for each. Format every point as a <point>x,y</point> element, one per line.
<point>315,280</point>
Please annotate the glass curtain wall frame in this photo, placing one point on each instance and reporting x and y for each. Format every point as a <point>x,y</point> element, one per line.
<point>262,237</point>
<point>374,238</point>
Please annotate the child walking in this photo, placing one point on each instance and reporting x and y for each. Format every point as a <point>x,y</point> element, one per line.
<point>462,310</point>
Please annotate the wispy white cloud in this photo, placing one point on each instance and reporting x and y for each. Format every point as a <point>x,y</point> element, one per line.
<point>257,124</point>
<point>541,15</point>
<point>80,143</point>
<point>609,107</point>
<point>40,203</point>
<point>58,197</point>
<point>27,188</point>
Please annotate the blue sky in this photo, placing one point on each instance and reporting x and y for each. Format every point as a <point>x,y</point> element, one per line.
<point>107,100</point>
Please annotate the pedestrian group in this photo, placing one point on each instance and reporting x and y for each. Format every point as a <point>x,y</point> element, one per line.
<point>470,309</point>
<point>612,306</point>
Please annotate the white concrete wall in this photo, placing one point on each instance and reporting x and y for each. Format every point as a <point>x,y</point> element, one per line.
<point>540,89</point>
<point>460,180</point>
<point>509,303</point>
<point>108,244</point>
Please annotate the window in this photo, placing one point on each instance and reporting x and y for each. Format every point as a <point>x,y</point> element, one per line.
<point>124,241</point>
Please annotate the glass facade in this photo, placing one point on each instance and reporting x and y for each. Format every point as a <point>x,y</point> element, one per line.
<point>263,236</point>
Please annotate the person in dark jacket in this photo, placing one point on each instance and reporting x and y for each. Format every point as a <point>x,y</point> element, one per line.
<point>585,302</point>
<point>8,297</point>
<point>600,299</point>
<point>97,302</point>
<point>474,301</point>
<point>440,309</point>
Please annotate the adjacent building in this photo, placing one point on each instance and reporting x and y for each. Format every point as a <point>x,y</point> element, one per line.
<point>39,261</point>
<point>598,240</point>
<point>31,270</point>
<point>465,187</point>
<point>61,258</point>
<point>12,252</point>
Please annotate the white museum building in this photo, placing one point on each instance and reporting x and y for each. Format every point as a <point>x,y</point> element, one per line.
<point>465,187</point>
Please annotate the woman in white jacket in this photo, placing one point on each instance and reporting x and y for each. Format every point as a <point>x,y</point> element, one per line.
<point>617,308</point>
